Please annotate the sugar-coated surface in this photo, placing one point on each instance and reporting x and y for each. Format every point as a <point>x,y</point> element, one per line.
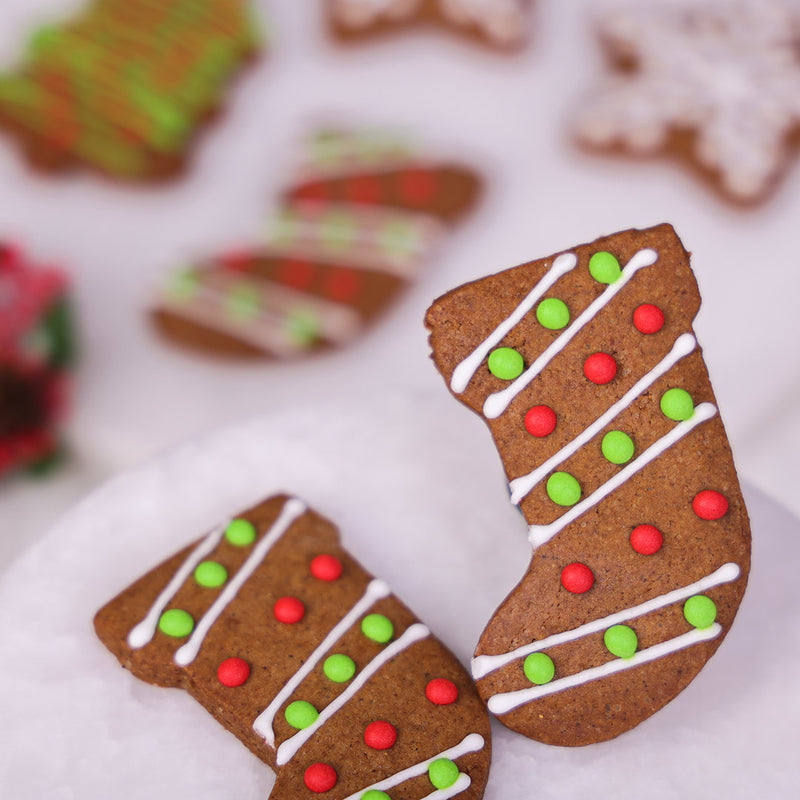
<point>439,529</point>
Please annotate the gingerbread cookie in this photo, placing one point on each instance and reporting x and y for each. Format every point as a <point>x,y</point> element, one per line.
<point>36,353</point>
<point>713,83</point>
<point>588,374</point>
<point>124,86</point>
<point>313,664</point>
<point>361,218</point>
<point>502,24</point>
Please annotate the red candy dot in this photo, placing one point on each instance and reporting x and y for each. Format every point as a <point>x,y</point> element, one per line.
<point>233,672</point>
<point>600,368</point>
<point>380,735</point>
<point>441,692</point>
<point>289,610</point>
<point>343,284</point>
<point>320,777</point>
<point>646,539</point>
<point>577,578</point>
<point>648,318</point>
<point>540,421</point>
<point>296,273</point>
<point>709,504</point>
<point>417,186</point>
<point>363,189</point>
<point>311,191</point>
<point>326,568</point>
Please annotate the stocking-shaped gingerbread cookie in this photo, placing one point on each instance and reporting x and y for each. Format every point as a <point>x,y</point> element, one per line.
<point>313,664</point>
<point>585,367</point>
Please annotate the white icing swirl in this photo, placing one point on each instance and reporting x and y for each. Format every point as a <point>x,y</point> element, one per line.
<point>376,590</point>
<point>469,744</point>
<point>289,748</point>
<point>483,665</point>
<point>507,701</point>
<point>497,403</point>
<point>293,509</point>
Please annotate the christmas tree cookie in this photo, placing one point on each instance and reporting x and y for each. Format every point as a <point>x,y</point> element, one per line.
<point>361,218</point>
<point>586,369</point>
<point>124,86</point>
<point>311,662</point>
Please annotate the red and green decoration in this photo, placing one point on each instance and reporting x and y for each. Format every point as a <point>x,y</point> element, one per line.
<point>36,353</point>
<point>123,86</point>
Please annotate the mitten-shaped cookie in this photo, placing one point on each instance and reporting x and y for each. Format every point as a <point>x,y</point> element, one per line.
<point>313,664</point>
<point>586,370</point>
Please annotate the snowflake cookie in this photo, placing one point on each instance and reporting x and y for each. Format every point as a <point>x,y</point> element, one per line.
<point>715,82</point>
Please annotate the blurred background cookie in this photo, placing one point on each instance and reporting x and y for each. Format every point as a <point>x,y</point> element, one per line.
<point>361,219</point>
<point>714,84</point>
<point>124,86</point>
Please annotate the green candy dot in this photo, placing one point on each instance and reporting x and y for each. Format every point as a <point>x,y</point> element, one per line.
<point>176,622</point>
<point>700,611</point>
<point>617,447</point>
<point>677,404</point>
<point>339,668</point>
<point>210,574</point>
<point>506,363</point>
<point>243,303</point>
<point>300,714</point>
<point>539,668</point>
<point>377,627</point>
<point>302,327</point>
<point>604,267</point>
<point>621,641</point>
<point>443,773</point>
<point>553,314</point>
<point>183,285</point>
<point>338,230</point>
<point>375,794</point>
<point>563,488</point>
<point>240,533</point>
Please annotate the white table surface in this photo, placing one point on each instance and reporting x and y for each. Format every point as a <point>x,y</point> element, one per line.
<point>137,397</point>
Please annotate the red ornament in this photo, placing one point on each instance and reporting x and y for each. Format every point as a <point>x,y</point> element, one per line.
<point>380,735</point>
<point>296,273</point>
<point>441,692</point>
<point>709,504</point>
<point>289,610</point>
<point>646,539</point>
<point>343,284</point>
<point>577,578</point>
<point>540,421</point>
<point>320,777</point>
<point>233,672</point>
<point>600,368</point>
<point>417,186</point>
<point>648,318</point>
<point>326,567</point>
<point>363,189</point>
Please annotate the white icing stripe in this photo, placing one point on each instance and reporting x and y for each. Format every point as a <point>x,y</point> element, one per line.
<point>470,744</point>
<point>463,782</point>
<point>497,403</point>
<point>507,701</point>
<point>288,748</point>
<point>483,665</point>
<point>464,372</point>
<point>142,633</point>
<point>263,723</point>
<point>293,509</point>
<point>520,487</point>
<point>539,534</point>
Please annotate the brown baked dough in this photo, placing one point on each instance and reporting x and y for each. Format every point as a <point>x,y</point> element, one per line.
<point>659,485</point>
